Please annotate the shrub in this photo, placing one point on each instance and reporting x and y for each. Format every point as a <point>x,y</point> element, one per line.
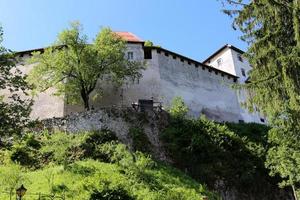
<point>211,151</point>
<point>25,156</point>
<point>148,43</point>
<point>32,141</point>
<point>140,140</point>
<point>178,108</point>
<point>111,194</point>
<point>62,148</point>
<point>93,140</point>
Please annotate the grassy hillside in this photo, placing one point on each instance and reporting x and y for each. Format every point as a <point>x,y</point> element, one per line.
<point>89,166</point>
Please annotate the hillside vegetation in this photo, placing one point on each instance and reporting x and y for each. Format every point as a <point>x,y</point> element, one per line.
<point>225,156</point>
<point>90,166</point>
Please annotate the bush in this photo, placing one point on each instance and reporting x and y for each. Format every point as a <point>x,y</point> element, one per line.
<point>140,140</point>
<point>178,108</point>
<point>210,152</point>
<point>25,156</point>
<point>111,194</point>
<point>93,140</point>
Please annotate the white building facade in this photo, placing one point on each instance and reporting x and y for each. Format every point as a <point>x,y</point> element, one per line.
<point>205,87</point>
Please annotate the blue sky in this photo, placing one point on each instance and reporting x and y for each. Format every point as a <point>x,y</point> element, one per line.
<point>194,28</point>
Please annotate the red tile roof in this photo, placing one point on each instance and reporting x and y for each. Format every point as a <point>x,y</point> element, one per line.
<point>129,37</point>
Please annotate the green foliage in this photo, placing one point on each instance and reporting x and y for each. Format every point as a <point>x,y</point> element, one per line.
<point>210,152</point>
<point>95,138</point>
<point>124,174</point>
<point>111,194</point>
<point>14,110</point>
<point>11,177</point>
<point>148,43</point>
<point>24,155</point>
<point>284,155</point>
<point>272,30</point>
<point>140,140</point>
<point>77,68</point>
<point>178,108</point>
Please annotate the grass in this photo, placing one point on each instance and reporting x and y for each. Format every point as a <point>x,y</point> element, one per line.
<point>109,171</point>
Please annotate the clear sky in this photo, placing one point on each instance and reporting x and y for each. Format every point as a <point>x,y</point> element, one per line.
<point>194,28</point>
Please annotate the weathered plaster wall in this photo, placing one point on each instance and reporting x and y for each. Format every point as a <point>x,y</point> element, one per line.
<point>232,65</point>
<point>145,88</point>
<point>166,77</point>
<point>204,91</point>
<point>45,104</point>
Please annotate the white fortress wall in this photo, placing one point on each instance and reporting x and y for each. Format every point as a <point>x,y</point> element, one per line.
<point>45,105</point>
<point>204,90</point>
<point>145,88</point>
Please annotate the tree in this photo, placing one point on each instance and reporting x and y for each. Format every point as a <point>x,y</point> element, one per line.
<point>76,68</point>
<point>14,110</point>
<point>271,28</point>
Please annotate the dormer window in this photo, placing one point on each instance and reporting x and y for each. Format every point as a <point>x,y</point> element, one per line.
<point>240,57</point>
<point>220,61</point>
<point>243,71</point>
<point>130,55</point>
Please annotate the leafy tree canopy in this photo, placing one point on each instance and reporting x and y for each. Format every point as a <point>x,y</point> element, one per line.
<point>77,68</point>
<point>272,29</point>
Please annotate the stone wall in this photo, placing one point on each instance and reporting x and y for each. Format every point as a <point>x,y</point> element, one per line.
<point>116,119</point>
<point>205,90</point>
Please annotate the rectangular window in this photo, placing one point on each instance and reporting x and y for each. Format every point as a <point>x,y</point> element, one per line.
<point>240,57</point>
<point>220,61</point>
<point>243,71</point>
<point>130,55</point>
<point>147,53</point>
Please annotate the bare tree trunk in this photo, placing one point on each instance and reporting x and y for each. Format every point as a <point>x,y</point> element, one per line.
<point>295,192</point>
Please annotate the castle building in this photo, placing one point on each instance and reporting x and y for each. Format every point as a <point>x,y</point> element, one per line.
<point>206,87</point>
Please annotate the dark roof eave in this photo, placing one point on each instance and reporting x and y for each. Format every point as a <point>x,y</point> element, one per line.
<point>43,49</point>
<point>193,61</point>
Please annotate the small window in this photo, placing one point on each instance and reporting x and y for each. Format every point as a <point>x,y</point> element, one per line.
<point>130,55</point>
<point>243,71</point>
<point>220,61</point>
<point>166,54</point>
<point>262,120</point>
<point>147,53</point>
<point>240,57</point>
<point>241,121</point>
